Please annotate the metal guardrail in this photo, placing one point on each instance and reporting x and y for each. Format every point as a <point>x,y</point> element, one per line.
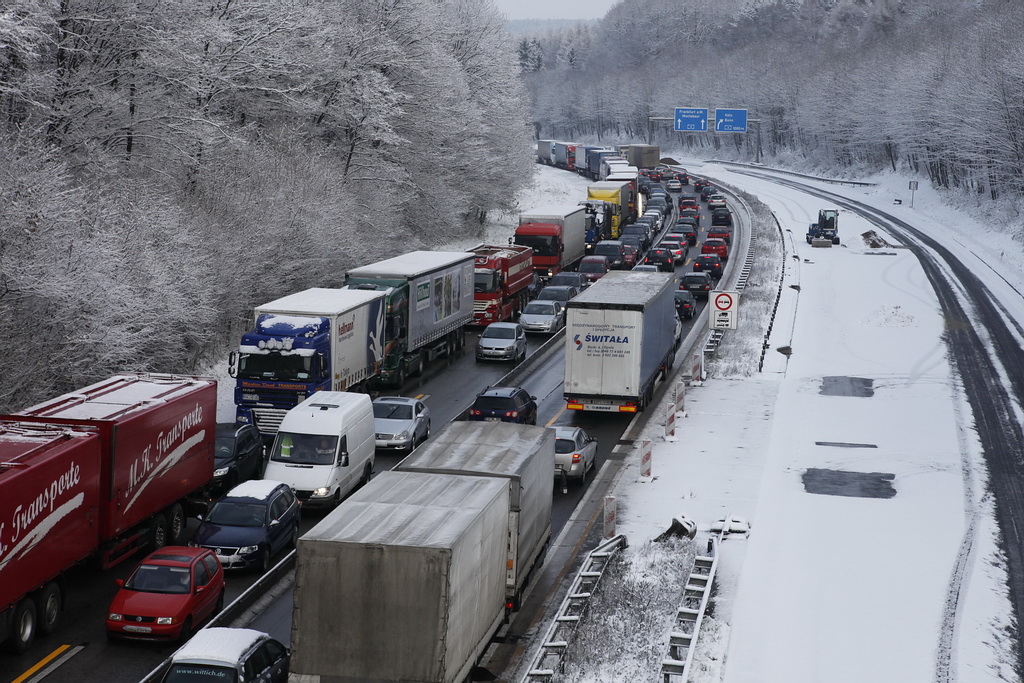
<point>548,660</point>
<point>682,637</point>
<point>769,169</point>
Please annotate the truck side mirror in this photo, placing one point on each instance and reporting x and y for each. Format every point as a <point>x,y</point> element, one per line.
<point>344,459</point>
<point>233,364</point>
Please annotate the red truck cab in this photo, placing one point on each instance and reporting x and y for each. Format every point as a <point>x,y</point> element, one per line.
<point>501,279</point>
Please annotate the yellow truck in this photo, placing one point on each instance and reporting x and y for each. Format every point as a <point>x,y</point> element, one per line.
<point>621,196</point>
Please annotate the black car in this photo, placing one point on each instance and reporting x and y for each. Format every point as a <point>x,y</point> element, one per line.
<point>641,231</point>
<point>705,194</point>
<point>250,524</point>
<point>690,213</point>
<point>686,304</point>
<point>710,263</point>
<point>687,229</point>
<point>504,404</point>
<point>613,250</point>
<point>237,456</point>
<point>570,278</point>
<point>721,217</point>
<point>661,257</point>
<point>700,183</point>
<point>699,284</point>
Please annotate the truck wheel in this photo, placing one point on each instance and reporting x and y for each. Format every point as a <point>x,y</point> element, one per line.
<point>23,631</point>
<point>177,525</point>
<point>417,369</point>
<point>158,532</point>
<point>49,608</point>
<point>401,377</point>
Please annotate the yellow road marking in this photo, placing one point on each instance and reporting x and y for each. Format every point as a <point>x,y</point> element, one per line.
<point>557,415</point>
<point>43,662</point>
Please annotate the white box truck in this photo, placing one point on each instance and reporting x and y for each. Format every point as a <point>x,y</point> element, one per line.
<point>522,454</point>
<point>620,334</point>
<point>404,581</point>
<point>429,296</point>
<point>314,340</point>
<point>325,447</point>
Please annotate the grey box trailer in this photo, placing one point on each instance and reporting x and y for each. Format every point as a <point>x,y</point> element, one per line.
<point>404,581</point>
<point>522,454</point>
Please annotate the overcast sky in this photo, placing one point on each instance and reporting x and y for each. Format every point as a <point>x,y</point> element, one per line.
<point>554,9</point>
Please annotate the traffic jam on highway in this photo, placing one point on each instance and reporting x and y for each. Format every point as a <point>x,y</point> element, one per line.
<point>397,431</point>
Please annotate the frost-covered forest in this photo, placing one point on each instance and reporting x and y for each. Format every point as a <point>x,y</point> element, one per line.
<point>166,165</point>
<point>936,86</point>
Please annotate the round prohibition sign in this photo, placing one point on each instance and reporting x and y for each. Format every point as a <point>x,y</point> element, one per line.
<point>723,302</point>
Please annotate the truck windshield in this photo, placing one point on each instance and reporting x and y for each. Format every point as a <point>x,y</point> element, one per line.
<point>305,449</point>
<point>543,245</point>
<point>485,281</point>
<point>290,368</point>
<point>201,673</point>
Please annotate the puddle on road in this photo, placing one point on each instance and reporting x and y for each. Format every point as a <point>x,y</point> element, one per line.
<point>850,484</point>
<point>858,387</point>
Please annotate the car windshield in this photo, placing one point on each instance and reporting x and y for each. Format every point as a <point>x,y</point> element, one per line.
<point>159,578</point>
<point>494,332</point>
<point>275,366</point>
<point>539,308</point>
<point>494,403</point>
<point>554,294</point>
<point>564,446</point>
<point>305,449</point>
<point>224,448</point>
<point>392,411</point>
<point>543,245</point>
<point>200,673</point>
<point>231,513</point>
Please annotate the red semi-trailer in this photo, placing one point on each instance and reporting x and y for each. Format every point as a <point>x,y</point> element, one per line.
<point>558,236</point>
<point>501,280</point>
<point>152,440</point>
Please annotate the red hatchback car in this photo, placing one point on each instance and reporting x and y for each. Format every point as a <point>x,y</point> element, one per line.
<point>716,246</point>
<point>169,594</point>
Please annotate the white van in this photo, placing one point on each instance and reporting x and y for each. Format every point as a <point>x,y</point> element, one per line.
<point>324,448</point>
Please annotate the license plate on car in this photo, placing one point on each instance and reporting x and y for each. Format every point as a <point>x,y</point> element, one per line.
<point>492,419</point>
<point>132,628</point>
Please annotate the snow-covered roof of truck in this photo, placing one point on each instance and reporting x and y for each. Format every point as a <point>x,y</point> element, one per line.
<point>550,210</point>
<point>413,509</point>
<point>320,301</point>
<point>489,448</point>
<point>622,287</point>
<point>410,265</point>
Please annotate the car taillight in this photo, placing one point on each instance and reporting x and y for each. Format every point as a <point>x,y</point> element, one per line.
<point>512,413</point>
<point>474,411</point>
<point>575,457</point>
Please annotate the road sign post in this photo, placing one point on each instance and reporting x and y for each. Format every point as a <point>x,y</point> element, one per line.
<point>730,120</point>
<point>723,310</point>
<point>913,188</point>
<point>691,120</point>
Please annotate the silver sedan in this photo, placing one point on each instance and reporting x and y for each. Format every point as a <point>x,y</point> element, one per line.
<point>401,423</point>
<point>575,453</point>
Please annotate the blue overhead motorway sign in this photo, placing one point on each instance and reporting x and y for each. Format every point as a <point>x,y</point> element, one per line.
<point>730,120</point>
<point>690,120</point>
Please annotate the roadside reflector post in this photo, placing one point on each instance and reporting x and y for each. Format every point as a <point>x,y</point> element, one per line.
<point>645,458</point>
<point>609,516</point>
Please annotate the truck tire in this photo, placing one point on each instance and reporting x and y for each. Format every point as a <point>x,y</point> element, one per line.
<point>158,532</point>
<point>23,627</point>
<point>50,603</point>
<point>177,525</point>
<point>417,368</point>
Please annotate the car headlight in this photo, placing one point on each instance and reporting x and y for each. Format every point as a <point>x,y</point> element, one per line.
<point>248,549</point>
<point>165,621</point>
<point>114,616</point>
<point>321,492</point>
<point>220,472</point>
<point>402,435</point>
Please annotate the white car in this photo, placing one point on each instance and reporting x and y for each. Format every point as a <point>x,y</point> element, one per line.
<point>673,185</point>
<point>716,201</point>
<point>575,453</point>
<point>543,316</point>
<point>400,423</point>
